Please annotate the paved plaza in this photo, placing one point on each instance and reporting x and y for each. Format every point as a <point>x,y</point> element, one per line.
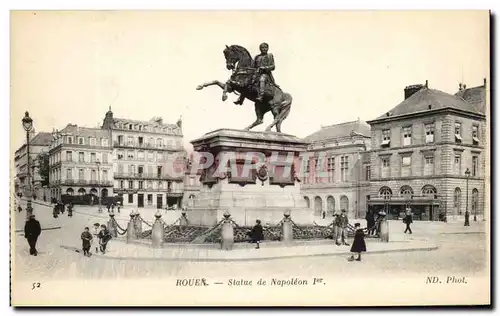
<point>445,248</point>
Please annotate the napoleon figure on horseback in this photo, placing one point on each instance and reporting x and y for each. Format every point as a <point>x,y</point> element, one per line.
<point>253,79</point>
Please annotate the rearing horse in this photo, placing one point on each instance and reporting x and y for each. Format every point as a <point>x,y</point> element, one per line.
<point>244,80</point>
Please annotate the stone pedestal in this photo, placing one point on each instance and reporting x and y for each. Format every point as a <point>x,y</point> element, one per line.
<point>287,231</point>
<point>157,232</point>
<point>131,235</point>
<point>384,230</point>
<point>112,225</point>
<point>227,233</point>
<point>254,176</point>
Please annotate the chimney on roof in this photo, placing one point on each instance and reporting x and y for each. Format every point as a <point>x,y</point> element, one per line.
<point>465,86</point>
<point>459,86</point>
<point>411,90</point>
<point>484,82</point>
<point>426,84</point>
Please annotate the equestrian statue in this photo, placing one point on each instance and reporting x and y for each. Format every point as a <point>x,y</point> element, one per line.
<point>253,80</point>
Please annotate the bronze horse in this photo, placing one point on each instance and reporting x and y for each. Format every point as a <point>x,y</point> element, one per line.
<point>245,81</point>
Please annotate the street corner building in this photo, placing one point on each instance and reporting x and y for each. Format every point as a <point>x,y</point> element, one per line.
<point>80,165</point>
<point>146,155</point>
<point>39,143</point>
<point>429,152</point>
<point>337,172</point>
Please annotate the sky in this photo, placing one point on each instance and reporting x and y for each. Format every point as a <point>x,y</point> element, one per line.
<point>69,67</point>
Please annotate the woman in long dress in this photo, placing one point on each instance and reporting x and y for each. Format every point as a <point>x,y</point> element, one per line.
<point>358,245</point>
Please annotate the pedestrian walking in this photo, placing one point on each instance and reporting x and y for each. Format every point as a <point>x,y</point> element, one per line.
<point>70,209</point>
<point>95,233</point>
<point>257,234</point>
<point>19,209</point>
<point>467,218</point>
<point>55,211</point>
<point>342,223</point>
<point>118,206</point>
<point>104,238</point>
<point>370,222</point>
<point>324,214</point>
<point>358,245</point>
<point>408,219</point>
<point>32,230</point>
<point>86,241</point>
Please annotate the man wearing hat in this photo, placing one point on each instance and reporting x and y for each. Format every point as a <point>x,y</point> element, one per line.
<point>32,230</point>
<point>408,219</point>
<point>341,223</point>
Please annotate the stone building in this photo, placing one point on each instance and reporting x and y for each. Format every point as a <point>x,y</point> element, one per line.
<point>148,158</point>
<point>421,149</point>
<point>340,151</point>
<point>39,142</point>
<point>80,162</point>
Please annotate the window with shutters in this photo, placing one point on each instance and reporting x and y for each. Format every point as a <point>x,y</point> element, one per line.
<point>407,136</point>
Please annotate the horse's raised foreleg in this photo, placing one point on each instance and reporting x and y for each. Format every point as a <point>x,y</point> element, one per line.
<point>260,117</point>
<point>223,86</point>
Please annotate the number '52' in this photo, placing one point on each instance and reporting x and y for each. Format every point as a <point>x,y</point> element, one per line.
<point>35,285</point>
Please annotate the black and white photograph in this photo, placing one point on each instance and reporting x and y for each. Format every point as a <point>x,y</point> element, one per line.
<point>250,158</point>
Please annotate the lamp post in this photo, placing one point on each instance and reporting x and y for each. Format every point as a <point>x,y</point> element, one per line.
<point>28,126</point>
<point>98,163</point>
<point>467,175</point>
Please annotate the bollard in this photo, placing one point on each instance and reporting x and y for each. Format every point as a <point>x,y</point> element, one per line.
<point>384,230</point>
<point>157,231</point>
<point>183,221</point>
<point>131,228</point>
<point>112,225</point>
<point>287,228</point>
<point>227,232</point>
<point>138,224</point>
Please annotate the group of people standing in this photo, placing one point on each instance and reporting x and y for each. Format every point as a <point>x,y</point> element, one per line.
<point>100,234</point>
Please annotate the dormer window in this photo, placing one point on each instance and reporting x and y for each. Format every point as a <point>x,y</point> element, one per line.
<point>80,141</point>
<point>130,126</point>
<point>386,138</point>
<point>475,135</point>
<point>458,132</point>
<point>70,139</point>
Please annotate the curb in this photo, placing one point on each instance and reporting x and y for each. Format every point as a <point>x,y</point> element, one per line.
<point>428,248</point>
<point>48,228</point>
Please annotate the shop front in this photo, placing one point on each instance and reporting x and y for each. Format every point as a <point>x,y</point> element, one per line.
<point>423,208</point>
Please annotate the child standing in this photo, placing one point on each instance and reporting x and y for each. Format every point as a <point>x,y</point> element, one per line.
<point>95,233</point>
<point>104,238</point>
<point>86,240</point>
<point>358,245</point>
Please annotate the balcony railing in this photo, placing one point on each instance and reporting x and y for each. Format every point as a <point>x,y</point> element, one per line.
<point>146,189</point>
<point>150,176</point>
<point>147,146</point>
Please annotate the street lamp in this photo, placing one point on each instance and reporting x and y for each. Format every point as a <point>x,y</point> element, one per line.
<point>28,126</point>
<point>98,163</point>
<point>467,175</point>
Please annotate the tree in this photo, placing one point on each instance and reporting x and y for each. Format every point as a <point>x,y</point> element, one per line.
<point>43,169</point>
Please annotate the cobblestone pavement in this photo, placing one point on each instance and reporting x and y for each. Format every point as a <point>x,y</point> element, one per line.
<point>457,253</point>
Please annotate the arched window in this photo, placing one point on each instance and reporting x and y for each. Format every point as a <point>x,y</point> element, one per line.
<point>330,205</point>
<point>318,206</point>
<point>70,191</point>
<point>475,197</point>
<point>406,192</point>
<point>429,191</point>
<point>456,201</point>
<point>385,192</point>
<point>104,193</point>
<point>81,191</point>
<point>344,203</point>
<point>93,191</point>
<point>308,202</point>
